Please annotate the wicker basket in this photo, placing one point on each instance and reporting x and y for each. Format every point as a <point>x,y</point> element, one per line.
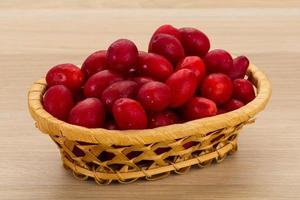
<point>126,156</point>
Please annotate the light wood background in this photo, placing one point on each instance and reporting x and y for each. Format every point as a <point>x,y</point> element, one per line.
<point>35,35</point>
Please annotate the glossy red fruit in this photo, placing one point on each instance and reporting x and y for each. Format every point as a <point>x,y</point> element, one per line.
<point>195,64</point>
<point>141,80</point>
<point>167,46</point>
<point>88,113</point>
<point>122,55</point>
<point>129,114</point>
<point>164,118</point>
<point>217,87</point>
<point>154,96</point>
<point>58,101</point>
<point>199,107</point>
<point>183,85</point>
<point>218,61</point>
<point>243,90</point>
<point>195,42</point>
<point>97,83</point>
<point>94,63</point>
<point>233,104</point>
<point>111,125</point>
<point>169,30</point>
<point>155,66</point>
<point>239,68</point>
<point>67,74</point>
<point>117,90</point>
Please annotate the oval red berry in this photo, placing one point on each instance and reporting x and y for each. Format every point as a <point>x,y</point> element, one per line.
<point>67,74</point>
<point>129,114</point>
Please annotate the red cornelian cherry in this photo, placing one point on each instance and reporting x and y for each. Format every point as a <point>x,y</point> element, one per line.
<point>154,96</point>
<point>122,55</point>
<point>154,65</point>
<point>239,68</point>
<point>163,118</point>
<point>141,80</point>
<point>243,90</point>
<point>117,90</point>
<point>66,74</point>
<point>195,64</point>
<point>88,113</point>
<point>233,104</point>
<point>129,114</point>
<point>58,101</point>
<point>218,61</point>
<point>169,30</point>
<point>167,46</point>
<point>199,107</point>
<point>94,63</point>
<point>217,87</point>
<point>97,83</point>
<point>183,85</point>
<point>195,42</point>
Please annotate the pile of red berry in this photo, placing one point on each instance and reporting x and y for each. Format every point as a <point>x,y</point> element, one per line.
<point>178,80</point>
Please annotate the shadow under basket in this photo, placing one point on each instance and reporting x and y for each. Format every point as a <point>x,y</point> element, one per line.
<point>125,156</point>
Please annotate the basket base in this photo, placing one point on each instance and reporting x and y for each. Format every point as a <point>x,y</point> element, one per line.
<point>133,174</point>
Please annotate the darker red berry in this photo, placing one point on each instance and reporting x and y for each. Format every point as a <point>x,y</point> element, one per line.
<point>117,90</point>
<point>243,90</point>
<point>195,42</point>
<point>217,87</point>
<point>167,46</point>
<point>169,30</point>
<point>162,119</point>
<point>141,80</point>
<point>183,84</point>
<point>218,61</point>
<point>67,74</point>
<point>154,96</point>
<point>199,107</point>
<point>129,114</point>
<point>239,68</point>
<point>155,66</point>
<point>195,64</point>
<point>233,104</point>
<point>58,101</point>
<point>94,63</point>
<point>122,55</point>
<point>88,113</point>
<point>97,83</point>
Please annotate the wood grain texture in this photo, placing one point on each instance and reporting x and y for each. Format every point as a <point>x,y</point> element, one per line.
<point>98,4</point>
<point>34,37</point>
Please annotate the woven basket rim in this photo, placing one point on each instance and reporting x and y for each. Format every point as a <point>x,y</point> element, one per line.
<point>53,126</point>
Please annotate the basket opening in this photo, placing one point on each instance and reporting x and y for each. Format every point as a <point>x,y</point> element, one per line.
<point>219,137</point>
<point>144,163</point>
<point>190,144</point>
<point>105,156</point>
<point>78,152</point>
<point>116,166</point>
<point>133,154</point>
<point>161,150</point>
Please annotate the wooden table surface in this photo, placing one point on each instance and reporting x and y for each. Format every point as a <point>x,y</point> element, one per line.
<point>35,35</point>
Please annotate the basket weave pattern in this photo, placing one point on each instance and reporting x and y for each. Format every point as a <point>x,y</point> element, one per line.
<point>126,156</point>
